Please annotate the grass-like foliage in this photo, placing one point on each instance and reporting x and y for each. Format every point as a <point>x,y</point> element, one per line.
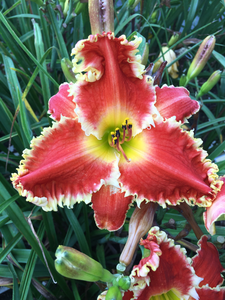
<point>35,36</point>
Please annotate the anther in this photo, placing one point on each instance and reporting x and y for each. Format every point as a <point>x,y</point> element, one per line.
<point>124,127</point>
<point>129,132</point>
<point>126,120</point>
<point>114,141</point>
<point>117,132</point>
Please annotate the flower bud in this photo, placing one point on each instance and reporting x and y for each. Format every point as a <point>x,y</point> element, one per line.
<point>140,223</point>
<point>80,7</point>
<point>101,15</point>
<point>113,293</point>
<point>174,38</point>
<point>209,84</point>
<point>169,56</point>
<point>65,8</point>
<point>133,3</point>
<point>201,57</point>
<point>74,264</point>
<point>67,66</point>
<point>124,282</point>
<point>183,80</point>
<point>154,16</point>
<point>130,3</point>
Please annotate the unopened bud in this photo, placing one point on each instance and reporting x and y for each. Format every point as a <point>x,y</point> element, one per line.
<point>183,80</point>
<point>174,38</point>
<point>67,66</point>
<point>65,8</point>
<point>74,264</point>
<point>209,84</point>
<point>101,16</point>
<point>154,16</point>
<point>113,293</point>
<point>144,57</point>
<point>201,57</point>
<point>140,223</point>
<point>130,3</point>
<point>133,3</point>
<point>80,7</point>
<point>124,282</point>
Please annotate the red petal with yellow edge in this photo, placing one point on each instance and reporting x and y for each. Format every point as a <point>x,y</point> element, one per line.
<point>173,275</point>
<point>175,101</point>
<point>113,88</point>
<point>210,294</point>
<point>128,295</point>
<point>62,104</point>
<point>64,167</point>
<point>168,167</point>
<point>110,207</point>
<point>207,264</point>
<point>216,210</point>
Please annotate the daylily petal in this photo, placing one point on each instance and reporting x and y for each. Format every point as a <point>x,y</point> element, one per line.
<point>64,167</point>
<point>208,293</point>
<point>174,275</point>
<point>216,210</point>
<point>110,206</point>
<point>207,264</point>
<point>168,166</point>
<point>175,101</point>
<point>62,104</point>
<point>113,87</point>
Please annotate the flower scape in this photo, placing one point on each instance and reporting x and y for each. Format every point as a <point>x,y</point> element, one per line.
<point>116,139</point>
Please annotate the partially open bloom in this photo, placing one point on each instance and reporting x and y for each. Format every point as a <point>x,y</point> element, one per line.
<point>116,139</point>
<point>169,56</point>
<point>165,272</point>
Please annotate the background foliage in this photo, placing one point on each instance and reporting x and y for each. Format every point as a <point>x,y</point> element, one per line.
<point>34,38</point>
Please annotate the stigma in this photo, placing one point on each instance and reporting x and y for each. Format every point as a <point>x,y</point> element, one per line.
<point>120,136</point>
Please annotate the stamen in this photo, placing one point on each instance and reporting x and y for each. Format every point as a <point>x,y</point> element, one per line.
<point>124,127</point>
<point>113,136</point>
<point>129,132</point>
<point>114,141</point>
<point>127,135</point>
<point>124,155</point>
<point>117,132</point>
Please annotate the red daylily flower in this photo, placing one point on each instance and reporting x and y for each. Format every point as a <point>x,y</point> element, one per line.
<point>166,273</point>
<point>116,139</point>
<point>216,210</point>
